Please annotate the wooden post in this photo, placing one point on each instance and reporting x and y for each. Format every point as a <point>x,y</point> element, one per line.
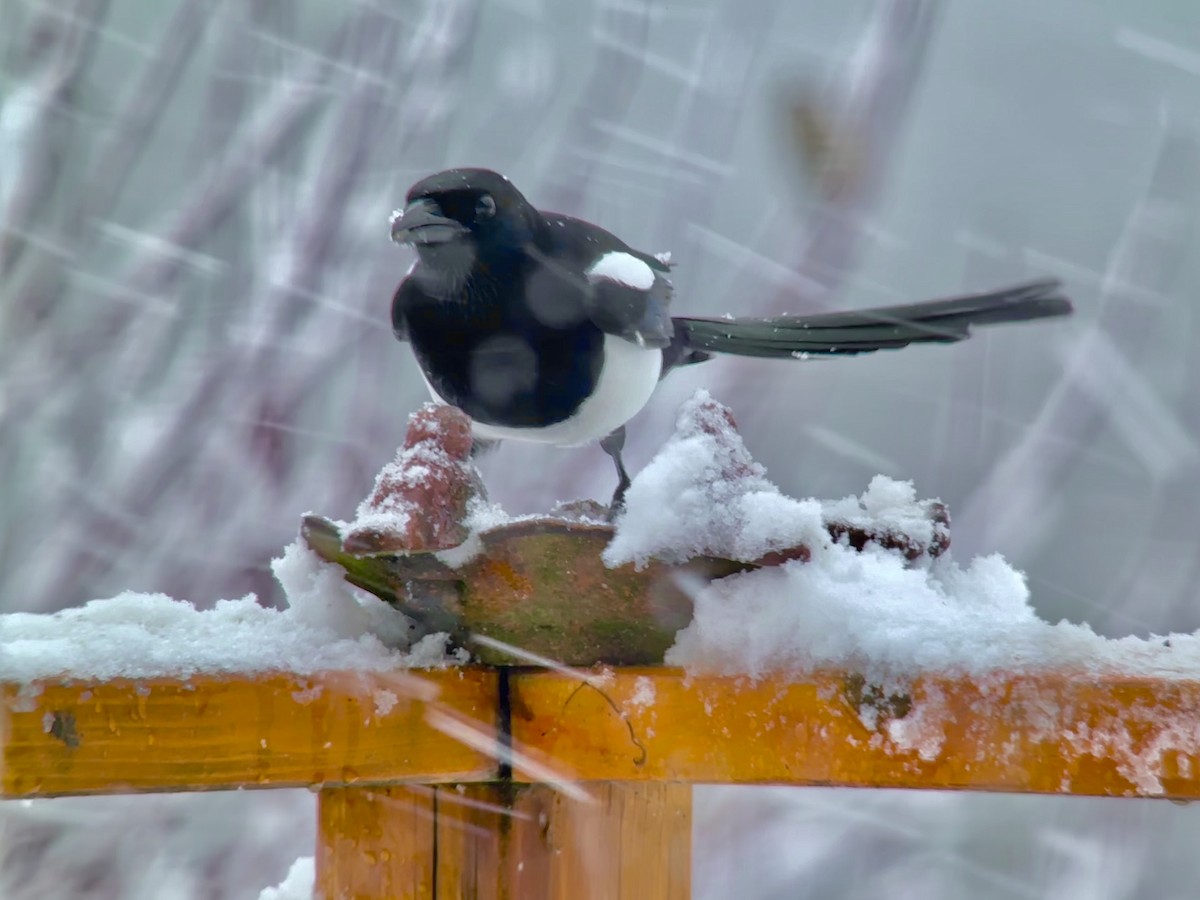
<point>623,841</point>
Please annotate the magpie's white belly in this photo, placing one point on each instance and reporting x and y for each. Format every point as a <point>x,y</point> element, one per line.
<point>627,379</point>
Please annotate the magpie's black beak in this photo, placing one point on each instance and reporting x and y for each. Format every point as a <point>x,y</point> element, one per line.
<point>422,222</point>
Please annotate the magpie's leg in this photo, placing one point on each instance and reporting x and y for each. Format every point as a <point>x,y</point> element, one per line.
<point>613,445</point>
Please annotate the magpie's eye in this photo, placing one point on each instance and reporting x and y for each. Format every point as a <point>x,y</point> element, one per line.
<point>485,208</point>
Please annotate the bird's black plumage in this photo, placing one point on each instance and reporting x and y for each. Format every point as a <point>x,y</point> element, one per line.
<point>496,359</point>
<point>544,327</point>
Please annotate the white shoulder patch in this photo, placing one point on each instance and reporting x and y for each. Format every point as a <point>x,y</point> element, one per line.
<point>623,269</point>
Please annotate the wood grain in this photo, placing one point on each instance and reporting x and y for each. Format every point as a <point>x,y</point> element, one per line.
<point>1052,733</point>
<point>374,843</point>
<point>506,842</point>
<point>249,731</point>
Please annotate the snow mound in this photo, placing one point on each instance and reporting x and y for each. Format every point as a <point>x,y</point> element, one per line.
<point>869,611</point>
<point>890,510</point>
<point>704,495</point>
<point>879,610</point>
<point>328,625</point>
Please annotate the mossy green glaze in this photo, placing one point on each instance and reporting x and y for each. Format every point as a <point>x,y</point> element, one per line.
<point>540,585</point>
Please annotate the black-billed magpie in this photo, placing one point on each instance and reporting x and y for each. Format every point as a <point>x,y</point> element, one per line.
<point>542,327</point>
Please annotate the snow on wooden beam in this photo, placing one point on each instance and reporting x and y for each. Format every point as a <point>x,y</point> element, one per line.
<point>1052,733</point>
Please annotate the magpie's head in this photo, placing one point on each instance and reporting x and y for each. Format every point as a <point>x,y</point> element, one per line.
<point>454,217</point>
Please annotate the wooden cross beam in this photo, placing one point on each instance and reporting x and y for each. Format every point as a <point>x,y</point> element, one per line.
<point>496,782</point>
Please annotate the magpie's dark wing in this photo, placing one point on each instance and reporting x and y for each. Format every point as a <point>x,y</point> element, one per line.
<point>624,292</point>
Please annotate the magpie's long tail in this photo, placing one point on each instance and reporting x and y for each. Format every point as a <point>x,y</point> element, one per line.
<point>861,331</point>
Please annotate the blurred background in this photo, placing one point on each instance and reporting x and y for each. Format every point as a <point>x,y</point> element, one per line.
<point>195,348</point>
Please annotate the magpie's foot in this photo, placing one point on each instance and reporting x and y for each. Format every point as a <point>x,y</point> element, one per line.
<point>617,506</point>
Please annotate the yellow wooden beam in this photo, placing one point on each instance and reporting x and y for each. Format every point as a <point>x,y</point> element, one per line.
<point>249,731</point>
<point>1056,733</point>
